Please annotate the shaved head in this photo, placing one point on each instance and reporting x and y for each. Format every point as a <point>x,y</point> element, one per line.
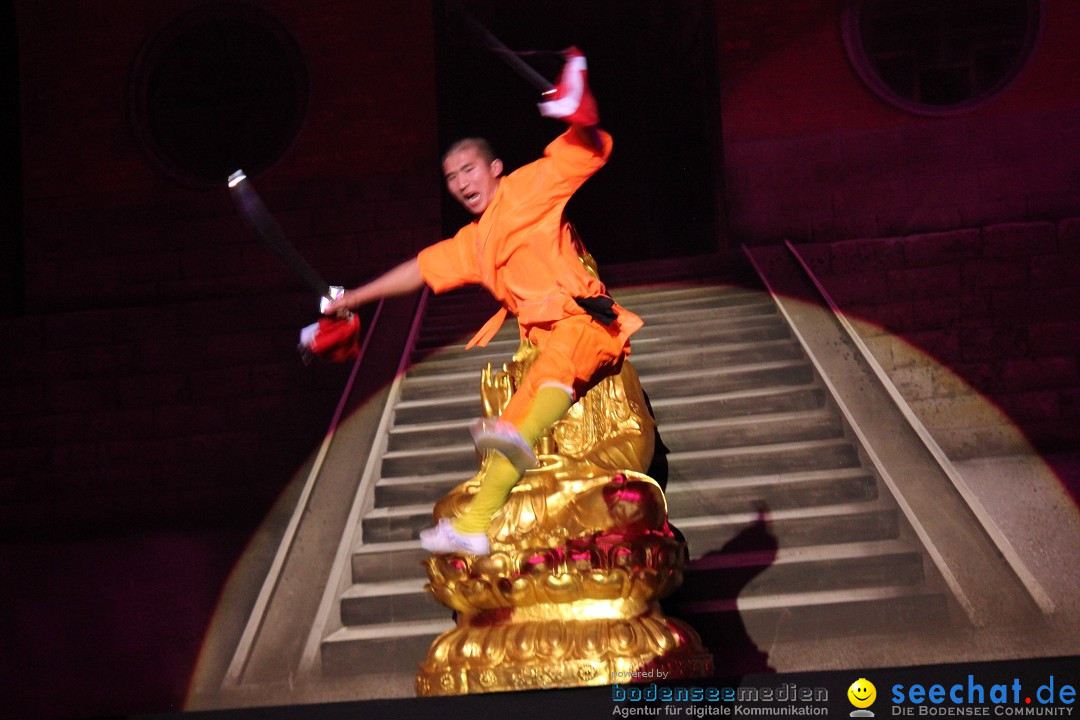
<point>482,147</point>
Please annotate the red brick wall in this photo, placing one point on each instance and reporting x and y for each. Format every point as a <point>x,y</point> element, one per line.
<point>811,154</point>
<point>152,405</point>
<point>994,307</point>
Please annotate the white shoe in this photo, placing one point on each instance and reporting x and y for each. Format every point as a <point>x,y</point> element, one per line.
<point>504,438</point>
<point>443,538</point>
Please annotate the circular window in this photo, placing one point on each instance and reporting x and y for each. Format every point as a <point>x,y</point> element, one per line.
<point>221,87</point>
<point>937,57</point>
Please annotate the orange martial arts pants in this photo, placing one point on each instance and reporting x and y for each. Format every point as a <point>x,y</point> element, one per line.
<point>575,353</point>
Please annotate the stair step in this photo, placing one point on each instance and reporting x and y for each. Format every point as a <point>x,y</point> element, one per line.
<point>678,286</point>
<point>415,489</point>
<point>379,562</point>
<point>652,358</point>
<point>796,526</point>
<point>777,492</point>
<point>692,466</point>
<point>800,569</point>
<point>429,461</point>
<point>753,430</point>
<point>458,407</point>
<point>714,337</point>
<point>681,319</point>
<point>428,440</point>
<point>429,435</point>
<point>700,334</point>
<point>689,331</point>
<point>823,568</point>
<point>660,379</point>
<point>500,346</point>
<point>384,648</point>
<point>390,601</point>
<point>798,533</point>
<point>473,362</point>
<point>829,613</point>
<point>852,522</point>
<point>396,524</point>
<point>740,403</point>
<point>680,412</point>
<point>761,460</point>
<point>663,293</point>
<point>440,385</point>
<point>479,302</point>
<point>376,562</point>
<point>659,382</point>
<point>684,497</point>
<point>671,305</point>
<point>727,379</point>
<point>455,327</point>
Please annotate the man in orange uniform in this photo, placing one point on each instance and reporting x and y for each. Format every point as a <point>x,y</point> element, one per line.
<point>520,248</point>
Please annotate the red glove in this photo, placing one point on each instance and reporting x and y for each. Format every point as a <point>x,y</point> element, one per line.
<point>332,338</point>
<point>571,100</point>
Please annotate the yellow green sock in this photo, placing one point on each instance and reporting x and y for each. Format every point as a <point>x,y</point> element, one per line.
<point>548,407</point>
<point>495,487</point>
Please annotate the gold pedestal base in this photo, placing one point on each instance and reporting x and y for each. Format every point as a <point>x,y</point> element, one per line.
<point>568,602</point>
<point>544,654</point>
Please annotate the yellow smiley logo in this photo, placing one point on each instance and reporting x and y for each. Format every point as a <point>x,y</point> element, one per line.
<point>862,693</point>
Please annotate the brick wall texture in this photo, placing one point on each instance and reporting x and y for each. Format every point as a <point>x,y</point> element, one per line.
<point>977,328</point>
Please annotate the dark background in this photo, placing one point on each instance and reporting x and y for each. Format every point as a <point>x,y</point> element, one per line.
<point>653,78</point>
<point>152,408</point>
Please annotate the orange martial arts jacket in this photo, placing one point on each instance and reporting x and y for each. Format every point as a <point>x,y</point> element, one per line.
<point>523,252</point>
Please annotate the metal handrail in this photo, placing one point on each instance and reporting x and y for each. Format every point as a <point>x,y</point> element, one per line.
<point>273,576</point>
<point>353,527</point>
<point>997,537</point>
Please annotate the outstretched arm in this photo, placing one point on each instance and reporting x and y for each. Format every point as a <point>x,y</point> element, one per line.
<point>401,280</point>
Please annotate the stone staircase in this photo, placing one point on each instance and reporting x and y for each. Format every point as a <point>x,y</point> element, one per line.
<point>790,532</point>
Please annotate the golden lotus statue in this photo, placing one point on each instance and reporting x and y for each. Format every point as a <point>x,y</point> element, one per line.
<point>580,556</point>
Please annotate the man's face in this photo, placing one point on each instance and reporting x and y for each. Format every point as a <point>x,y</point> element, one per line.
<point>471,179</point>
